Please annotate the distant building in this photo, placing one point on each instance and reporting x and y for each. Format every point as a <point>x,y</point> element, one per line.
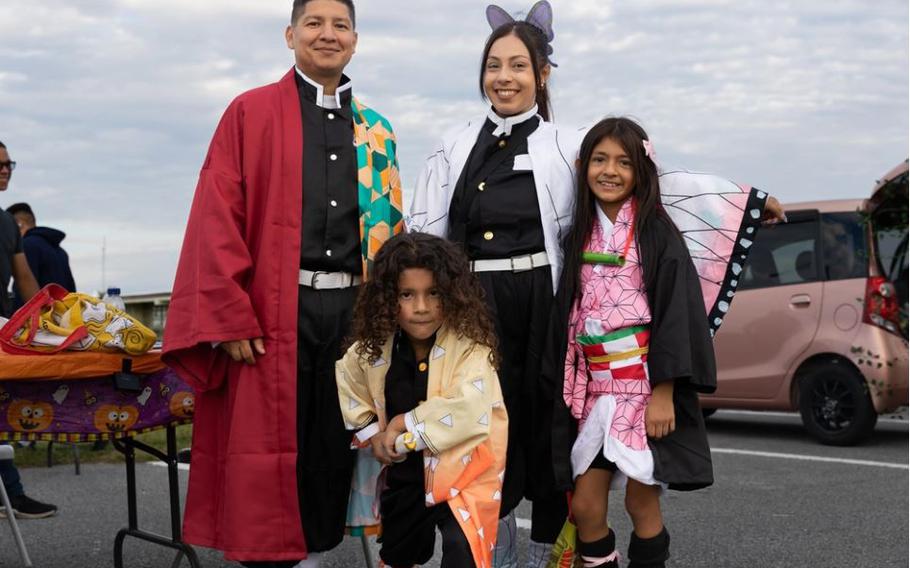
<point>150,309</point>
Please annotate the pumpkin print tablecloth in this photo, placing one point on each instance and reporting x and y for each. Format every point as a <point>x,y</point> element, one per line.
<point>84,410</point>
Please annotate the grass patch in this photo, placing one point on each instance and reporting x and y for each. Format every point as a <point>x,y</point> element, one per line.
<point>63,454</point>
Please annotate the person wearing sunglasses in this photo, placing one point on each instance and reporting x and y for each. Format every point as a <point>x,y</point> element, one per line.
<point>13,265</point>
<point>6,169</point>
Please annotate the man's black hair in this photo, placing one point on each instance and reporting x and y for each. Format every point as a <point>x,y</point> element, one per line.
<point>299,6</point>
<point>2,145</point>
<point>20,208</point>
<point>23,209</point>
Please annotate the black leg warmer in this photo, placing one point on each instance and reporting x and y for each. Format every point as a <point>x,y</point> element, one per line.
<point>649,552</point>
<point>598,549</point>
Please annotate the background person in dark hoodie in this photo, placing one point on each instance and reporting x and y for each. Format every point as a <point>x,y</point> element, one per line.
<point>48,261</point>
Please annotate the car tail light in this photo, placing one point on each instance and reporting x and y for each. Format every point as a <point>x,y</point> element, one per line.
<point>881,308</point>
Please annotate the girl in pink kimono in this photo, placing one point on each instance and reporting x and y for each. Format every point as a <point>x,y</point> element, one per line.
<point>635,333</point>
<point>420,384</point>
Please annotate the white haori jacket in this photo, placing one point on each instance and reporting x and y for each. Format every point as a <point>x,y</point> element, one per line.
<point>551,152</point>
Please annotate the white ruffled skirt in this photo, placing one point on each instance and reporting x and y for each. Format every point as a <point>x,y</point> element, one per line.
<point>616,434</point>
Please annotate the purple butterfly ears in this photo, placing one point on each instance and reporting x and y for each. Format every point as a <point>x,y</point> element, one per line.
<point>540,16</point>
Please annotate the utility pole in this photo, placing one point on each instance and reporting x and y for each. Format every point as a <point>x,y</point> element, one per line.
<point>103,265</point>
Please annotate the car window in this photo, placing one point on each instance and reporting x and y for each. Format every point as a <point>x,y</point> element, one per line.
<point>844,249</point>
<point>783,254</point>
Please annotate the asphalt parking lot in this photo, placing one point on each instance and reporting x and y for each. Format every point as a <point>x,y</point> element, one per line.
<point>780,500</point>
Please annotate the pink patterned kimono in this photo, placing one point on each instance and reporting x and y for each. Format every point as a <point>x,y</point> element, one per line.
<point>615,347</point>
<point>607,387</point>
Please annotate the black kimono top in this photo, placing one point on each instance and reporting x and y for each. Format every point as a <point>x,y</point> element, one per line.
<point>405,388</point>
<point>331,214</point>
<point>494,210</point>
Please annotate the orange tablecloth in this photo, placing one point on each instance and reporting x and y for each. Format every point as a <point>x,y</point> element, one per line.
<point>73,365</point>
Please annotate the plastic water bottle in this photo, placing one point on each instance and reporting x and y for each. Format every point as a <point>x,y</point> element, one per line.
<point>112,298</point>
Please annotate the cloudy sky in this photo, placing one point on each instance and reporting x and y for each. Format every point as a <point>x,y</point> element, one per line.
<point>108,105</point>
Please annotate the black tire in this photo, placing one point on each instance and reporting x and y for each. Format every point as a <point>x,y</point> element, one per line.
<point>835,405</point>
<point>708,412</point>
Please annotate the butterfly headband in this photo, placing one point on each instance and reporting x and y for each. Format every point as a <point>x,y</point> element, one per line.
<point>540,16</point>
<point>649,151</point>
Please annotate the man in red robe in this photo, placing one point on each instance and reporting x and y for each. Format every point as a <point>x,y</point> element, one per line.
<point>285,221</point>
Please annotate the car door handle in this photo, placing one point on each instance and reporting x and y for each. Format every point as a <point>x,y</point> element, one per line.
<point>800,300</point>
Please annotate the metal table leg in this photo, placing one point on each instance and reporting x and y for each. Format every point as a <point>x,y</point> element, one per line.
<point>128,447</point>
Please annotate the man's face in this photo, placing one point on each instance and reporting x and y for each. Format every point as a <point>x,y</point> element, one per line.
<point>323,39</point>
<point>6,172</point>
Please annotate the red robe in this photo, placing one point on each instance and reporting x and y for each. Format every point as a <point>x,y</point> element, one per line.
<point>237,278</point>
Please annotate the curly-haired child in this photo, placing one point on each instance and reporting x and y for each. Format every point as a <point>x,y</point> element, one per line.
<point>420,383</point>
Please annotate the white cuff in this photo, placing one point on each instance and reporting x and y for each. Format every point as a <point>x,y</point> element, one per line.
<point>421,445</point>
<point>368,432</point>
<point>411,424</point>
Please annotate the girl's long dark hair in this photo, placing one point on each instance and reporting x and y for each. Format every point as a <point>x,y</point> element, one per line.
<point>630,135</point>
<point>463,307</point>
<point>536,42</point>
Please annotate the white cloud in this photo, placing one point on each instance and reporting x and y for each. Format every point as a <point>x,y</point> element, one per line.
<point>108,105</point>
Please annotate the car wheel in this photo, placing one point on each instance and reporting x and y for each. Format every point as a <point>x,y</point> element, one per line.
<point>708,412</point>
<point>835,405</point>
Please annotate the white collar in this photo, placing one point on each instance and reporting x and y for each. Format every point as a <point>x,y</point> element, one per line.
<point>504,125</point>
<point>606,224</point>
<point>323,100</point>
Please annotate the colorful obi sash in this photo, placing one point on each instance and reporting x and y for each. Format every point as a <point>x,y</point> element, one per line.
<point>617,361</point>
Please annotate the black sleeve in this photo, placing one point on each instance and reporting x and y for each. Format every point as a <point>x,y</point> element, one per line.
<point>563,427</point>
<point>19,247</point>
<point>554,350</point>
<point>680,346</point>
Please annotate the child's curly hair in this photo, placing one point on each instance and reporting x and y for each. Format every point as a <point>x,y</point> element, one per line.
<point>376,309</point>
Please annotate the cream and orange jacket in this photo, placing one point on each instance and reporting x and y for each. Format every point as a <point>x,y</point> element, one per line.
<point>463,424</point>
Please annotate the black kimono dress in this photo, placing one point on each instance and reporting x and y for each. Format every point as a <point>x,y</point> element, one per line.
<point>494,214</point>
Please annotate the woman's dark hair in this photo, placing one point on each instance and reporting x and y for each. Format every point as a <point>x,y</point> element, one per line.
<point>630,135</point>
<point>300,6</point>
<point>536,42</point>
<point>463,307</point>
